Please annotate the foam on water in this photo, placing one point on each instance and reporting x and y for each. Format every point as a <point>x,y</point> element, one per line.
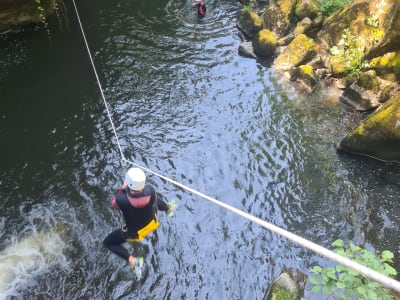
<point>28,257</point>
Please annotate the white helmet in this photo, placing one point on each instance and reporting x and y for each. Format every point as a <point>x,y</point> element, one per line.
<point>136,179</point>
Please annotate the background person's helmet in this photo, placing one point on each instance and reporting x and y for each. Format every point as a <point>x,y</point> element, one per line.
<point>136,179</point>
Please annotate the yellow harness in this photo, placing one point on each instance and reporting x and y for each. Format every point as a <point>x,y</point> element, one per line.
<point>142,233</point>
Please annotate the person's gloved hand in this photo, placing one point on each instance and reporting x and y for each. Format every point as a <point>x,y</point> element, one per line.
<point>171,207</point>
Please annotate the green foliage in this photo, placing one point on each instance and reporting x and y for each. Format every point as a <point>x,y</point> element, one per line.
<point>283,294</point>
<point>343,283</point>
<point>351,49</point>
<point>247,7</point>
<point>41,14</point>
<point>376,33</point>
<point>328,7</point>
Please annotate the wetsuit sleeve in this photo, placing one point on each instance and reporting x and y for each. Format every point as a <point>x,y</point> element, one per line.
<point>161,205</point>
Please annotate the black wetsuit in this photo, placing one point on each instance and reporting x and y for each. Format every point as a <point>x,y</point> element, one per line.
<point>201,9</point>
<point>138,210</point>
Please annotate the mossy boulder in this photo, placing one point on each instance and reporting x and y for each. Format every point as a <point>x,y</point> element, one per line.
<point>305,77</point>
<point>289,285</point>
<point>300,50</point>
<point>16,13</point>
<point>275,20</point>
<point>378,135</point>
<point>307,9</point>
<point>376,25</point>
<point>249,22</point>
<point>264,43</point>
<point>370,81</point>
<point>387,65</point>
<point>338,66</point>
<point>303,26</point>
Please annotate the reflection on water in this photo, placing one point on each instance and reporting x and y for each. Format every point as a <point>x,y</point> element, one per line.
<point>187,106</point>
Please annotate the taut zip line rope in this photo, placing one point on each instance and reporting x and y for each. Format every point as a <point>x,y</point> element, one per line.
<point>384,280</point>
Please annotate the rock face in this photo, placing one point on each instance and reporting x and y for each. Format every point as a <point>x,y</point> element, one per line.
<point>15,13</point>
<point>378,135</point>
<point>300,50</point>
<point>288,286</point>
<point>357,49</point>
<point>264,43</point>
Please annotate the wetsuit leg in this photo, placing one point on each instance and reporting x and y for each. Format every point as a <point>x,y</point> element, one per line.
<point>113,242</point>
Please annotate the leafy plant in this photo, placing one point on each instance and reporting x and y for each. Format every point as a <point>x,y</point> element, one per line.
<point>376,33</point>
<point>351,49</point>
<point>343,283</point>
<point>247,7</point>
<point>328,7</point>
<point>42,15</point>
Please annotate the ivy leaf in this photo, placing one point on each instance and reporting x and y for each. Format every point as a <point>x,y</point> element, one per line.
<point>340,285</point>
<point>338,243</point>
<point>316,289</point>
<point>315,280</point>
<point>389,270</point>
<point>387,255</point>
<point>316,270</point>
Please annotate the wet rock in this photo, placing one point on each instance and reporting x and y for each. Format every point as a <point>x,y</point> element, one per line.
<point>249,22</point>
<point>387,66</point>
<point>304,76</point>
<point>300,50</point>
<point>289,285</point>
<point>378,135</point>
<point>246,49</point>
<point>276,20</point>
<point>359,98</point>
<point>307,9</point>
<point>264,43</point>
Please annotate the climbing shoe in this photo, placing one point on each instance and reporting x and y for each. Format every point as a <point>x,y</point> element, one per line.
<point>138,267</point>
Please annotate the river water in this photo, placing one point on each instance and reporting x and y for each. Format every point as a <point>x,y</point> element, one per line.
<point>187,106</point>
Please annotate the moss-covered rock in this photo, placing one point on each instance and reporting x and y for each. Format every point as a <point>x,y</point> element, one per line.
<point>299,51</point>
<point>374,22</point>
<point>275,20</point>
<point>305,77</point>
<point>15,13</point>
<point>387,64</point>
<point>378,135</point>
<point>306,9</point>
<point>303,26</point>
<point>288,286</point>
<point>264,43</point>
<point>370,81</point>
<point>338,66</point>
<point>249,22</point>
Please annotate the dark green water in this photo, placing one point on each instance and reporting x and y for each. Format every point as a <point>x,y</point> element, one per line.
<point>185,105</point>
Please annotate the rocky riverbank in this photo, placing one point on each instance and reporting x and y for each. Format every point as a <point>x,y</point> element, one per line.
<point>356,50</point>
<point>17,13</point>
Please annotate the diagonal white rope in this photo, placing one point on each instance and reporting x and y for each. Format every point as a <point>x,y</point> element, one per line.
<point>98,82</point>
<point>384,280</point>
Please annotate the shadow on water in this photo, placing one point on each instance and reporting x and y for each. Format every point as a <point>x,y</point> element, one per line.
<point>187,106</point>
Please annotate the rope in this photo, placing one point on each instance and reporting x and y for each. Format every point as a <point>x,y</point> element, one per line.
<point>98,82</point>
<point>384,280</point>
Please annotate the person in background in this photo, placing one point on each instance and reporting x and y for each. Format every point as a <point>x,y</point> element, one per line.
<point>138,203</point>
<point>201,8</point>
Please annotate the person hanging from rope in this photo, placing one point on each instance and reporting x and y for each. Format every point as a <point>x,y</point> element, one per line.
<point>138,203</point>
<point>201,8</point>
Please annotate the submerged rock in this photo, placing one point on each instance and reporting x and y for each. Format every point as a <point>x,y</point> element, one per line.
<point>289,286</point>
